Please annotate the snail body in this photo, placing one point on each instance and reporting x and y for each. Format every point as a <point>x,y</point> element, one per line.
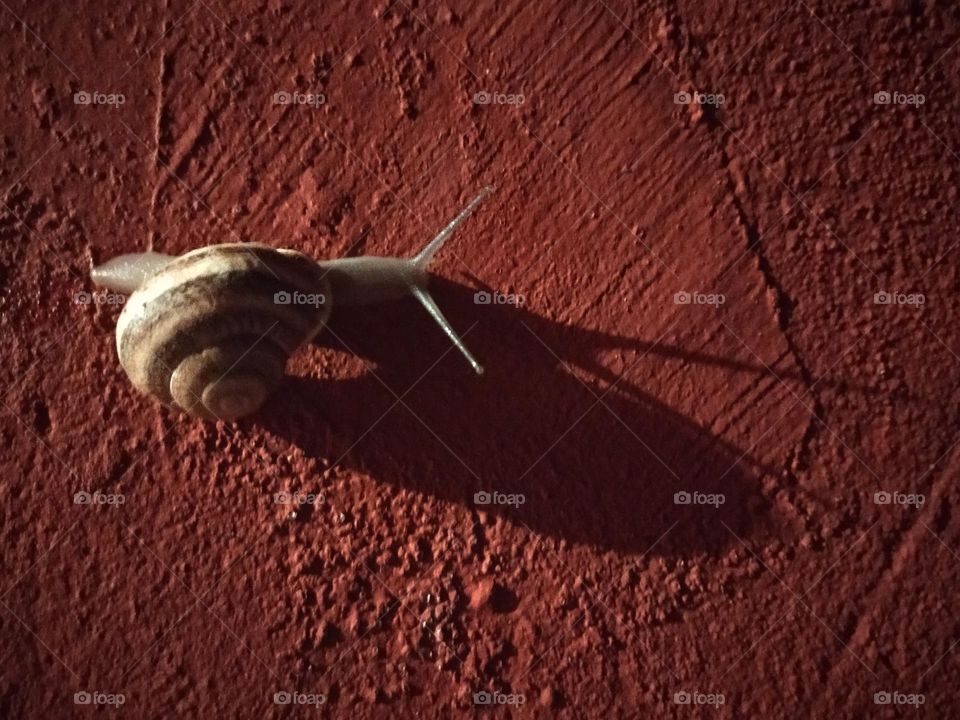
<point>210,332</point>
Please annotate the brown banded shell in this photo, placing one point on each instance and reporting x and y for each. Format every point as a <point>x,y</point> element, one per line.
<point>211,332</point>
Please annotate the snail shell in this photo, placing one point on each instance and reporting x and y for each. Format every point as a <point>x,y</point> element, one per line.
<point>210,333</point>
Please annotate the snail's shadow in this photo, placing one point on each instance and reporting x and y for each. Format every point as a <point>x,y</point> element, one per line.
<point>603,473</point>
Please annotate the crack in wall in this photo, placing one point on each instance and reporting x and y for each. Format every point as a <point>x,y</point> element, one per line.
<point>687,50</point>
<point>783,306</point>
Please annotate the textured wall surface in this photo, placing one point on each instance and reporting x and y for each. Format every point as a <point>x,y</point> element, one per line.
<point>730,233</point>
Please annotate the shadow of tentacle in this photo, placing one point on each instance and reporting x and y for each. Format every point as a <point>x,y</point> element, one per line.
<point>598,460</point>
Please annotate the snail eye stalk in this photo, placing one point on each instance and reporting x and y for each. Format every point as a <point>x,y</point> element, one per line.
<point>422,262</point>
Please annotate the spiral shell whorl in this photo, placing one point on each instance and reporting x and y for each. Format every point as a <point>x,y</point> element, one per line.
<point>207,333</point>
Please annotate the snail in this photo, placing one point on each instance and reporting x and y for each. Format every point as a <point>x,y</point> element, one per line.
<point>209,332</point>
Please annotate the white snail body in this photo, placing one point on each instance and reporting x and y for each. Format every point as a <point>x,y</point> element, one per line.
<point>210,332</point>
